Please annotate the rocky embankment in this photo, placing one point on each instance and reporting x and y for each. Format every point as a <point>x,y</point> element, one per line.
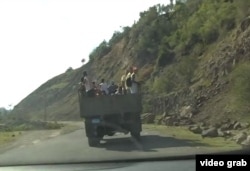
<point>201,108</point>
<point>229,129</point>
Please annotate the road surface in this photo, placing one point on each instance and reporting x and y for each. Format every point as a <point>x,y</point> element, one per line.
<point>52,147</point>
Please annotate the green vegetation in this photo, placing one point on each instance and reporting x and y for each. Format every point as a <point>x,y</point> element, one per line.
<point>105,47</point>
<point>59,85</point>
<point>117,36</point>
<point>12,131</point>
<point>181,33</point>
<point>175,38</point>
<point>241,82</point>
<point>69,69</point>
<point>100,51</point>
<point>6,137</point>
<point>186,69</point>
<point>240,89</point>
<point>171,45</point>
<point>164,84</point>
<point>14,125</point>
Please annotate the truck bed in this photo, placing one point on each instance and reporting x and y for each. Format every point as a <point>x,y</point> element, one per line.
<point>107,105</point>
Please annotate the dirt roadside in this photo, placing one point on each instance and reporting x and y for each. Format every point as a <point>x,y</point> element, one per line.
<point>33,137</point>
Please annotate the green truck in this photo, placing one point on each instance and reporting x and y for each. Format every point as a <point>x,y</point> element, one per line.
<point>106,115</point>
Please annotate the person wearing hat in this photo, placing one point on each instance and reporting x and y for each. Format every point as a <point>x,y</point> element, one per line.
<point>104,87</point>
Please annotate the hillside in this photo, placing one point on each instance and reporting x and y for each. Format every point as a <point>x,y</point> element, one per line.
<point>190,54</point>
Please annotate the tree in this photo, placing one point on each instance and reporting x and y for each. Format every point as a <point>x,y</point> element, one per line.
<point>100,51</point>
<point>69,69</point>
<point>171,3</point>
<point>117,36</point>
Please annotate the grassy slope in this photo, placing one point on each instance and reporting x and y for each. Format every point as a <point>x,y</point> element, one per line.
<point>6,137</point>
<point>58,96</point>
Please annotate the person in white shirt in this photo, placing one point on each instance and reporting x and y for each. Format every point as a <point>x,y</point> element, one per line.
<point>104,87</point>
<point>88,84</point>
<point>123,82</point>
<point>81,88</point>
<point>128,80</point>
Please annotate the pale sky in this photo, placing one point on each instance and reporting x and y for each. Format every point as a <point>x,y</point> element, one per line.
<point>40,39</point>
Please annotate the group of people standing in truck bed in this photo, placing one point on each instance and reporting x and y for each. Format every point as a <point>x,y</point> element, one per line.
<point>128,85</point>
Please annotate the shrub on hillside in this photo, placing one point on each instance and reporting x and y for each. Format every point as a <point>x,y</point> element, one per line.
<point>100,51</point>
<point>163,84</point>
<point>69,69</point>
<point>239,96</point>
<point>146,73</point>
<point>228,24</point>
<point>165,57</point>
<point>241,83</point>
<point>186,68</point>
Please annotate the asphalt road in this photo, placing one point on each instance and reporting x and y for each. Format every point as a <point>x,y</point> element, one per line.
<point>51,147</point>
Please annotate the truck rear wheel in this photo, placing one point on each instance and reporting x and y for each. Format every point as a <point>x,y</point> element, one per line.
<point>136,135</point>
<point>135,128</point>
<point>93,142</point>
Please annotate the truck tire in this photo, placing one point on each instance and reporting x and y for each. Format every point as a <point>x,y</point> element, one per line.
<point>136,135</point>
<point>135,129</point>
<point>93,142</point>
<point>93,131</point>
